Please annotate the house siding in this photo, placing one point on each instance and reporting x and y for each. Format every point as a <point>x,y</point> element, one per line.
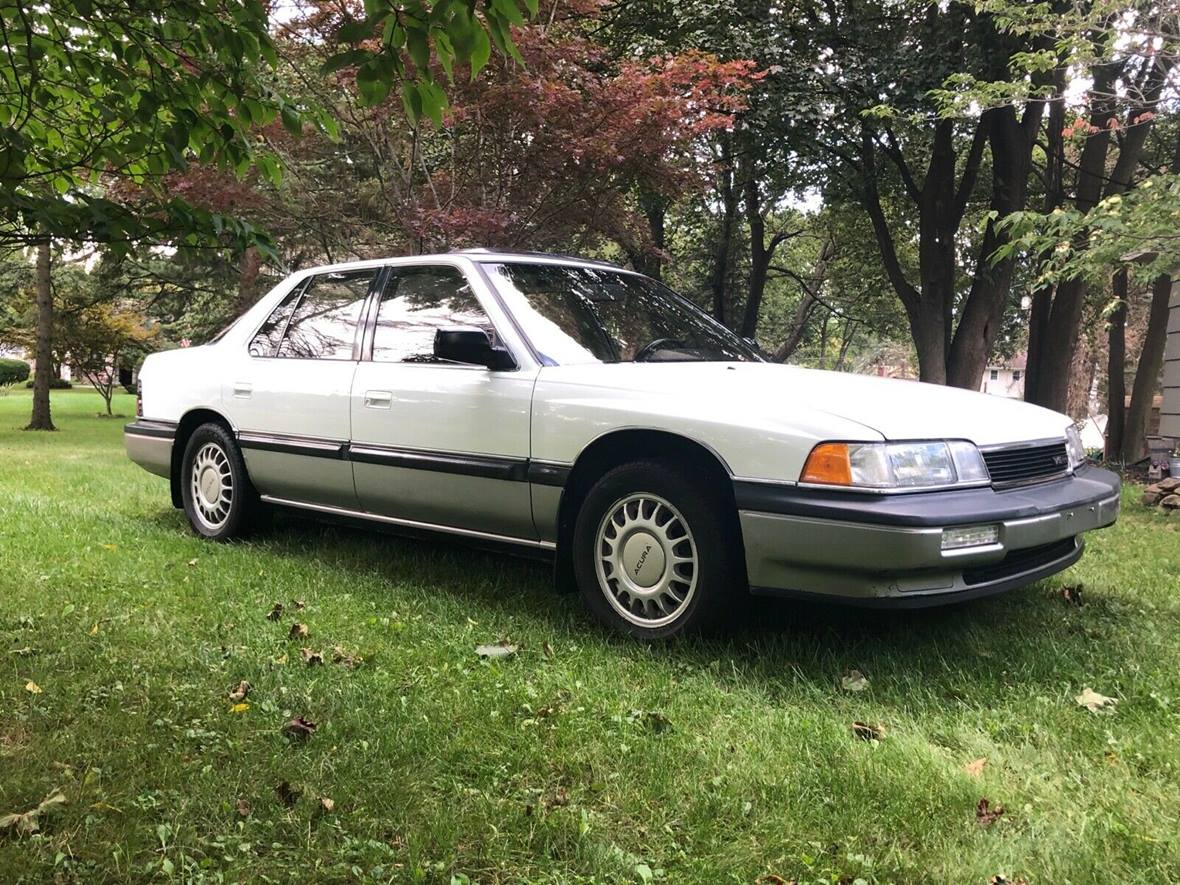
<point>1170,413</point>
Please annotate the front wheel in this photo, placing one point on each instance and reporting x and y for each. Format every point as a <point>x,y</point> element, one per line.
<point>652,553</point>
<point>219,500</point>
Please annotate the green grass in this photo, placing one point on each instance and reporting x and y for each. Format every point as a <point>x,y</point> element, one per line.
<point>583,758</point>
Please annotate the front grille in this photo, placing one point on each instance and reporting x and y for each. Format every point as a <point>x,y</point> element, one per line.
<point>1020,561</point>
<point>1026,463</point>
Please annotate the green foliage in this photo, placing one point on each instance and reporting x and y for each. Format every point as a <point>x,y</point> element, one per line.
<point>13,370</point>
<point>413,34</point>
<point>99,96</point>
<point>101,338</point>
<point>54,384</point>
<point>1140,229</point>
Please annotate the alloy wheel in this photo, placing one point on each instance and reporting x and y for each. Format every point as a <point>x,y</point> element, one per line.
<point>646,560</point>
<point>212,486</point>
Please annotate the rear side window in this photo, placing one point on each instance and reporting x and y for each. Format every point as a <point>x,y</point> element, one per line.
<point>324,323</point>
<point>266,340</point>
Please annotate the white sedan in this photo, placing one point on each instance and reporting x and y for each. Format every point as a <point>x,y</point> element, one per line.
<point>584,412</point>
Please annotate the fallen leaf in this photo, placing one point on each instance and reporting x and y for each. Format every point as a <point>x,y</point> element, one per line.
<point>192,561</point>
<point>299,728</point>
<point>975,766</point>
<point>298,604</point>
<point>298,631</point>
<point>275,613</point>
<point>986,813</point>
<point>772,879</point>
<point>547,650</point>
<point>311,658</point>
<point>32,687</point>
<point>28,822</point>
<point>94,629</point>
<point>496,650</point>
<point>109,546</point>
<point>868,732</point>
<point>1001,879</point>
<point>1095,702</point>
<point>243,808</point>
<point>1072,595</point>
<point>346,659</point>
<point>559,798</point>
<point>854,680</point>
<point>288,794</point>
<point>327,804</point>
<point>239,708</point>
<point>238,694</point>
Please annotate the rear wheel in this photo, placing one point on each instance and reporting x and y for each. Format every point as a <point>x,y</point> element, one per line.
<point>218,498</point>
<point>652,553</point>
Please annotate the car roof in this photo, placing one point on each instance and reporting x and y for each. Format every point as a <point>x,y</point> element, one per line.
<point>487,256</point>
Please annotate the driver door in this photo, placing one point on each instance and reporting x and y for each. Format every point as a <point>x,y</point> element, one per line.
<point>434,443</point>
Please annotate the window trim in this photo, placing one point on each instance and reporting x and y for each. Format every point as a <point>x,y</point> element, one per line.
<point>374,305</point>
<point>299,290</point>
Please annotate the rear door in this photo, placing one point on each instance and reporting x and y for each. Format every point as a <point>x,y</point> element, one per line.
<point>440,444</point>
<point>289,397</point>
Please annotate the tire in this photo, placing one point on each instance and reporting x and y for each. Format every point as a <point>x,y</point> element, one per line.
<point>654,555</point>
<point>219,500</point>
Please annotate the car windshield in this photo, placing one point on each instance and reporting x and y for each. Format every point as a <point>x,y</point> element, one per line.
<point>578,315</point>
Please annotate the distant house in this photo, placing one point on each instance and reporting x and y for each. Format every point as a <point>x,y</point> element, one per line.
<point>1170,408</point>
<point>1005,378</point>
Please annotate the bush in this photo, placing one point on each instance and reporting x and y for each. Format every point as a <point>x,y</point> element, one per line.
<point>13,370</point>
<point>54,384</point>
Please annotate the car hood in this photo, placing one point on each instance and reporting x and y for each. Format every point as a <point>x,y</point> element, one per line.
<point>892,408</point>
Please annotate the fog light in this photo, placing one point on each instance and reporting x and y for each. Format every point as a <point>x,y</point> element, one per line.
<point>970,536</point>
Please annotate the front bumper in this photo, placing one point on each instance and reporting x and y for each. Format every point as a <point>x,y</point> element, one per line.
<point>887,549</point>
<point>149,444</point>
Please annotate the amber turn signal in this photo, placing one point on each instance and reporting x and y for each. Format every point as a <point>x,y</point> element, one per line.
<point>828,464</point>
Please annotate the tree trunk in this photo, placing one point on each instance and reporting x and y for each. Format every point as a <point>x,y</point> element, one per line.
<point>760,254</point>
<point>249,266</point>
<point>729,208</point>
<point>41,418</point>
<point>1116,365</point>
<point>1042,296</point>
<point>1147,374</point>
<point>1054,356</point>
<point>1011,142</point>
<point>928,329</point>
<point>655,210</point>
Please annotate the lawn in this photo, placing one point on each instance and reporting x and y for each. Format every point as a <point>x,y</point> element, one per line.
<point>584,757</point>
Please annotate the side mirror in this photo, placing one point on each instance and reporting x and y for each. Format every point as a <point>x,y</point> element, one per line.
<point>464,344</point>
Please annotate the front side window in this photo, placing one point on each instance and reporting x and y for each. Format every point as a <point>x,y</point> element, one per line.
<point>597,315</point>
<point>417,302</point>
<point>324,324</point>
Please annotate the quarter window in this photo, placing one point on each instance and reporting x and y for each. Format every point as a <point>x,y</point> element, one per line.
<point>417,302</point>
<point>266,339</point>
<point>323,326</point>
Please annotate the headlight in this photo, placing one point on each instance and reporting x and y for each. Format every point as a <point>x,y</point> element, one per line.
<point>1074,447</point>
<point>910,465</point>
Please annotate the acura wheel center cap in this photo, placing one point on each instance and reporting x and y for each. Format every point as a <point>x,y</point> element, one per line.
<point>643,559</point>
<point>210,486</point>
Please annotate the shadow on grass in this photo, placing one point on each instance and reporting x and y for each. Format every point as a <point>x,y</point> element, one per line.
<point>1029,636</point>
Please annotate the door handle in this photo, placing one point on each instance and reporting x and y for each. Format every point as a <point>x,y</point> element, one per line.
<point>243,389</point>
<point>378,399</point>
